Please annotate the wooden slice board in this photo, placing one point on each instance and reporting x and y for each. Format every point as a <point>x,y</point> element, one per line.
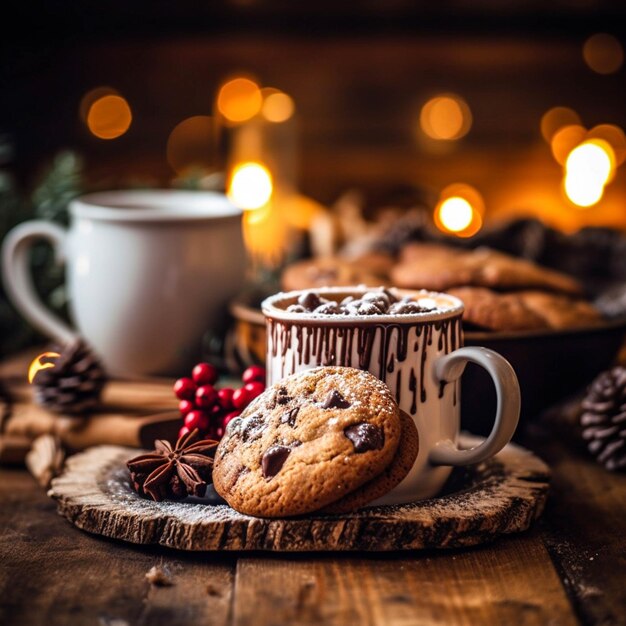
<point>503,495</point>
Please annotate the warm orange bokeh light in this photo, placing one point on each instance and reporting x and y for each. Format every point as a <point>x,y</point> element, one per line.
<point>603,53</point>
<point>565,140</point>
<point>191,144</point>
<point>557,118</point>
<point>445,117</point>
<point>277,106</point>
<point>91,96</point>
<point>588,168</point>
<point>251,186</point>
<point>459,210</point>
<point>109,117</point>
<point>38,364</point>
<point>614,136</point>
<point>239,100</point>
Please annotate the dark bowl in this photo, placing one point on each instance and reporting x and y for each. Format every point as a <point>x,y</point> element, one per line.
<point>550,365</point>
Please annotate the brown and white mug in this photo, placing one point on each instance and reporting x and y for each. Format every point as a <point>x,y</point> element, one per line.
<point>418,355</point>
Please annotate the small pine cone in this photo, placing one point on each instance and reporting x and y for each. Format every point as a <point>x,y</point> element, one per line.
<point>603,419</point>
<point>74,384</point>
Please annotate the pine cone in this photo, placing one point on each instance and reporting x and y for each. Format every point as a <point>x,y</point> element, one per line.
<point>75,382</point>
<point>604,418</point>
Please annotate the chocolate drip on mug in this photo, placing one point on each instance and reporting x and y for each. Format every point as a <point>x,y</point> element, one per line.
<point>380,348</point>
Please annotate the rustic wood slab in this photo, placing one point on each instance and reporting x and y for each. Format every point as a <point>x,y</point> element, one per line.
<point>499,497</point>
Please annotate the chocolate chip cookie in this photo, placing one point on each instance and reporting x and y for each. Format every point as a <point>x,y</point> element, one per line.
<point>478,268</point>
<point>389,478</point>
<point>306,442</point>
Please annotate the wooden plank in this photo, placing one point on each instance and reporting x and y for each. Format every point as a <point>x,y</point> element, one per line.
<point>511,582</point>
<point>53,574</point>
<point>585,532</point>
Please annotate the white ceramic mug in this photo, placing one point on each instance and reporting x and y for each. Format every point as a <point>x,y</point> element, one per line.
<point>419,356</point>
<point>148,272</point>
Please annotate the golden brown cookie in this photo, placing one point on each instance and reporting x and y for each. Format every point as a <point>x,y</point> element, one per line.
<point>331,272</point>
<point>561,312</point>
<point>497,311</point>
<point>524,310</point>
<point>390,477</point>
<point>479,268</point>
<point>306,442</point>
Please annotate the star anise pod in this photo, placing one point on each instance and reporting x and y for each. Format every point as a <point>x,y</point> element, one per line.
<point>172,473</point>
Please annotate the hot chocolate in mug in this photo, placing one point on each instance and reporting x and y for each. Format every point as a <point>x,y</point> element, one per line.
<point>418,355</point>
<point>147,274</point>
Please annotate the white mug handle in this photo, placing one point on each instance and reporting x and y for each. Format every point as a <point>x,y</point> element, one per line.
<point>449,368</point>
<point>17,279</point>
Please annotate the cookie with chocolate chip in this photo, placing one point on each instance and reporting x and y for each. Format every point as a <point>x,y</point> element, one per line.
<point>307,442</point>
<point>389,478</point>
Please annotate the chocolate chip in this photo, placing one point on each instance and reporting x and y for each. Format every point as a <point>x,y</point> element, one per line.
<point>290,416</point>
<point>282,396</point>
<point>334,400</point>
<point>328,308</point>
<point>365,436</point>
<point>296,308</point>
<point>309,300</point>
<point>404,308</point>
<point>273,460</point>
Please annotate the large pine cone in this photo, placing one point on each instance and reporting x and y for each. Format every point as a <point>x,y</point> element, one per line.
<point>75,382</point>
<point>604,418</point>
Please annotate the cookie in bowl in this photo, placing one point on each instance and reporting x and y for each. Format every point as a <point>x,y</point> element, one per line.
<point>482,267</point>
<point>524,310</point>
<point>311,440</point>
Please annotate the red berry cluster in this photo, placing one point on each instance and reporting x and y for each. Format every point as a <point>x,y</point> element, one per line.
<point>208,409</point>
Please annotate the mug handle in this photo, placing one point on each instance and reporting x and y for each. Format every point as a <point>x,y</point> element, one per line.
<point>17,279</point>
<point>449,368</point>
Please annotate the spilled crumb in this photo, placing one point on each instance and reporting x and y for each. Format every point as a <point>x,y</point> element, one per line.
<point>159,576</point>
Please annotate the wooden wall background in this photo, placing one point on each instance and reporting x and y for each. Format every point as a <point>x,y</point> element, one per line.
<point>358,72</point>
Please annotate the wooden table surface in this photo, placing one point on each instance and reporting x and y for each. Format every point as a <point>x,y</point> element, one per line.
<point>569,569</point>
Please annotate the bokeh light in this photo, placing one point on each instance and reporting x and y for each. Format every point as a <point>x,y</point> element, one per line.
<point>251,186</point>
<point>557,118</point>
<point>239,100</point>
<point>456,213</point>
<point>565,140</point>
<point>588,168</point>
<point>603,53</point>
<point>277,106</point>
<point>91,96</point>
<point>191,144</point>
<point>109,117</point>
<point>614,136</point>
<point>446,117</point>
<point>459,210</point>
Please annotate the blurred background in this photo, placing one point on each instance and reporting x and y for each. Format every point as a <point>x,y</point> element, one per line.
<point>479,111</point>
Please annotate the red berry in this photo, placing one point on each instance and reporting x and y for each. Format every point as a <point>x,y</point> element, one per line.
<point>255,373</point>
<point>184,406</point>
<point>254,389</point>
<point>204,374</point>
<point>183,431</point>
<point>229,417</point>
<point>216,411</point>
<point>241,398</point>
<point>206,396</point>
<point>225,396</point>
<point>185,389</point>
<point>197,419</point>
